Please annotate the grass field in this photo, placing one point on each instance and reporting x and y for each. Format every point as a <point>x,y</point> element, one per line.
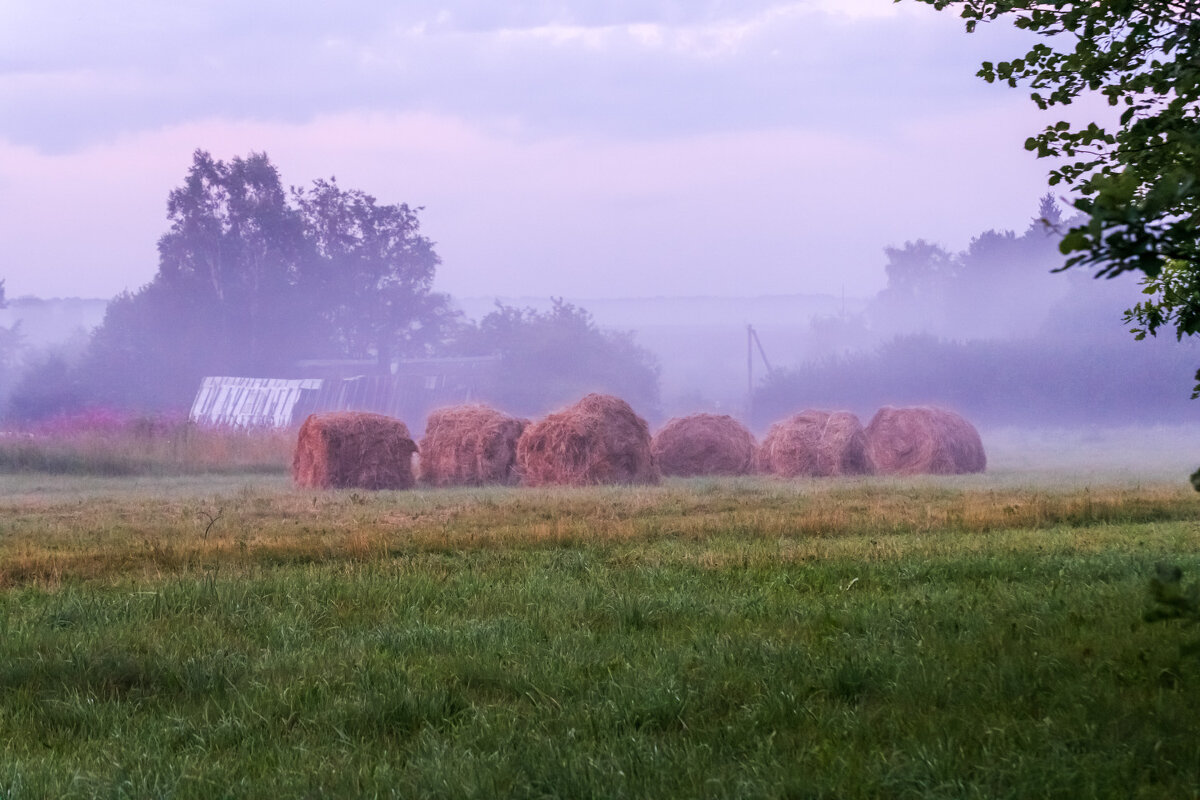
<point>212,635</point>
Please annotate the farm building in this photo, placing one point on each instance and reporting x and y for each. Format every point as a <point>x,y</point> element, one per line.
<point>414,388</point>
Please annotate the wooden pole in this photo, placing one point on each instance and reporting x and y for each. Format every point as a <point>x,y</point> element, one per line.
<point>749,367</point>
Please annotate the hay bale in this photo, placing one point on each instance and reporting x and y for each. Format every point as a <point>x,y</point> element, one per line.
<point>469,445</point>
<point>704,444</point>
<point>598,440</point>
<point>911,441</point>
<point>815,444</point>
<point>349,449</point>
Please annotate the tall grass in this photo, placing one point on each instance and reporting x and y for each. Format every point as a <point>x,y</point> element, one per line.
<point>104,443</point>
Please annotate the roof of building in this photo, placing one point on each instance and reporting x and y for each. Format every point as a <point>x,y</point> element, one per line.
<point>419,386</point>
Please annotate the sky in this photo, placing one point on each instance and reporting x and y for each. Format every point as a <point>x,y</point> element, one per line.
<point>632,148</point>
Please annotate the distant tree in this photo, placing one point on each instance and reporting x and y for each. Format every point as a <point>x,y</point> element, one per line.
<point>10,338</point>
<point>235,250</point>
<point>11,343</point>
<point>919,269</point>
<point>1137,182</point>
<point>151,351</point>
<point>1004,285</point>
<point>551,358</point>
<point>830,334</point>
<point>226,298</point>
<point>252,278</point>
<point>1001,285</point>
<point>918,275</point>
<point>1027,381</point>
<point>1049,215</point>
<point>376,273</point>
<point>48,386</point>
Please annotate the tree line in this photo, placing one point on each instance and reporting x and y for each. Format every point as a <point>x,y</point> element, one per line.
<point>1135,183</point>
<point>994,332</point>
<point>254,277</point>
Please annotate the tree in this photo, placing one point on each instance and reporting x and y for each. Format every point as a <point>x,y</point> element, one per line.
<point>10,346</point>
<point>10,337</point>
<point>919,270</point>
<point>252,278</point>
<point>1173,300</point>
<point>1000,286</point>
<point>377,272</point>
<point>918,274</point>
<point>551,358</point>
<point>1004,285</point>
<point>1138,183</point>
<point>235,252</point>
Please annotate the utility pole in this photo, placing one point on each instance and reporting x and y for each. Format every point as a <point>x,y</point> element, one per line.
<point>751,341</point>
<point>749,366</point>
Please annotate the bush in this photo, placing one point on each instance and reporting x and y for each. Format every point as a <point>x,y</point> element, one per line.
<point>996,382</point>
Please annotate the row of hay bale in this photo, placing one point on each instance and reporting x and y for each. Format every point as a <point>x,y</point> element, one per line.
<point>897,441</point>
<point>600,440</point>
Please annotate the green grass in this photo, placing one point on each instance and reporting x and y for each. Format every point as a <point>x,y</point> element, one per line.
<point>960,637</point>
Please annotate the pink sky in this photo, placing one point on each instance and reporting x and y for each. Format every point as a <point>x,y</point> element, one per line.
<point>771,148</point>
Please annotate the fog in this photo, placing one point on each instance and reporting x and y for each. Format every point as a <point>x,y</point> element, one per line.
<point>1024,348</point>
<point>610,198</point>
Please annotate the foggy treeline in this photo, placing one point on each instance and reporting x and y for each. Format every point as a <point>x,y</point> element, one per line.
<point>254,279</point>
<point>996,333</point>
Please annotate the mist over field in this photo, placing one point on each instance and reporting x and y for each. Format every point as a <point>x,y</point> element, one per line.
<point>1034,349</point>
<point>748,209</point>
<point>641,399</point>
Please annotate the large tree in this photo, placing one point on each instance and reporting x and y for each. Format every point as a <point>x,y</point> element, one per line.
<point>551,358</point>
<point>252,278</point>
<point>918,275</point>
<point>234,253</point>
<point>376,272</point>
<point>1136,178</point>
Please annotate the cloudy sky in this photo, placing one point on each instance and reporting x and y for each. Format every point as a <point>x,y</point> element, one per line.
<point>629,148</point>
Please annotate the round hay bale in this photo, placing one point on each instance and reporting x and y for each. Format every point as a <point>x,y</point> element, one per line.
<point>469,445</point>
<point>598,440</point>
<point>924,440</point>
<point>815,444</point>
<point>704,444</point>
<point>348,449</point>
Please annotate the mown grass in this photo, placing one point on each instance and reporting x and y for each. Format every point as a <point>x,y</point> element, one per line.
<point>967,637</point>
<point>50,536</point>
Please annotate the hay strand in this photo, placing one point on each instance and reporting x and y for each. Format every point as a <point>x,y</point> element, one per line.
<point>704,444</point>
<point>469,445</point>
<point>596,441</point>
<point>350,449</point>
<point>815,443</point>
<point>924,440</point>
